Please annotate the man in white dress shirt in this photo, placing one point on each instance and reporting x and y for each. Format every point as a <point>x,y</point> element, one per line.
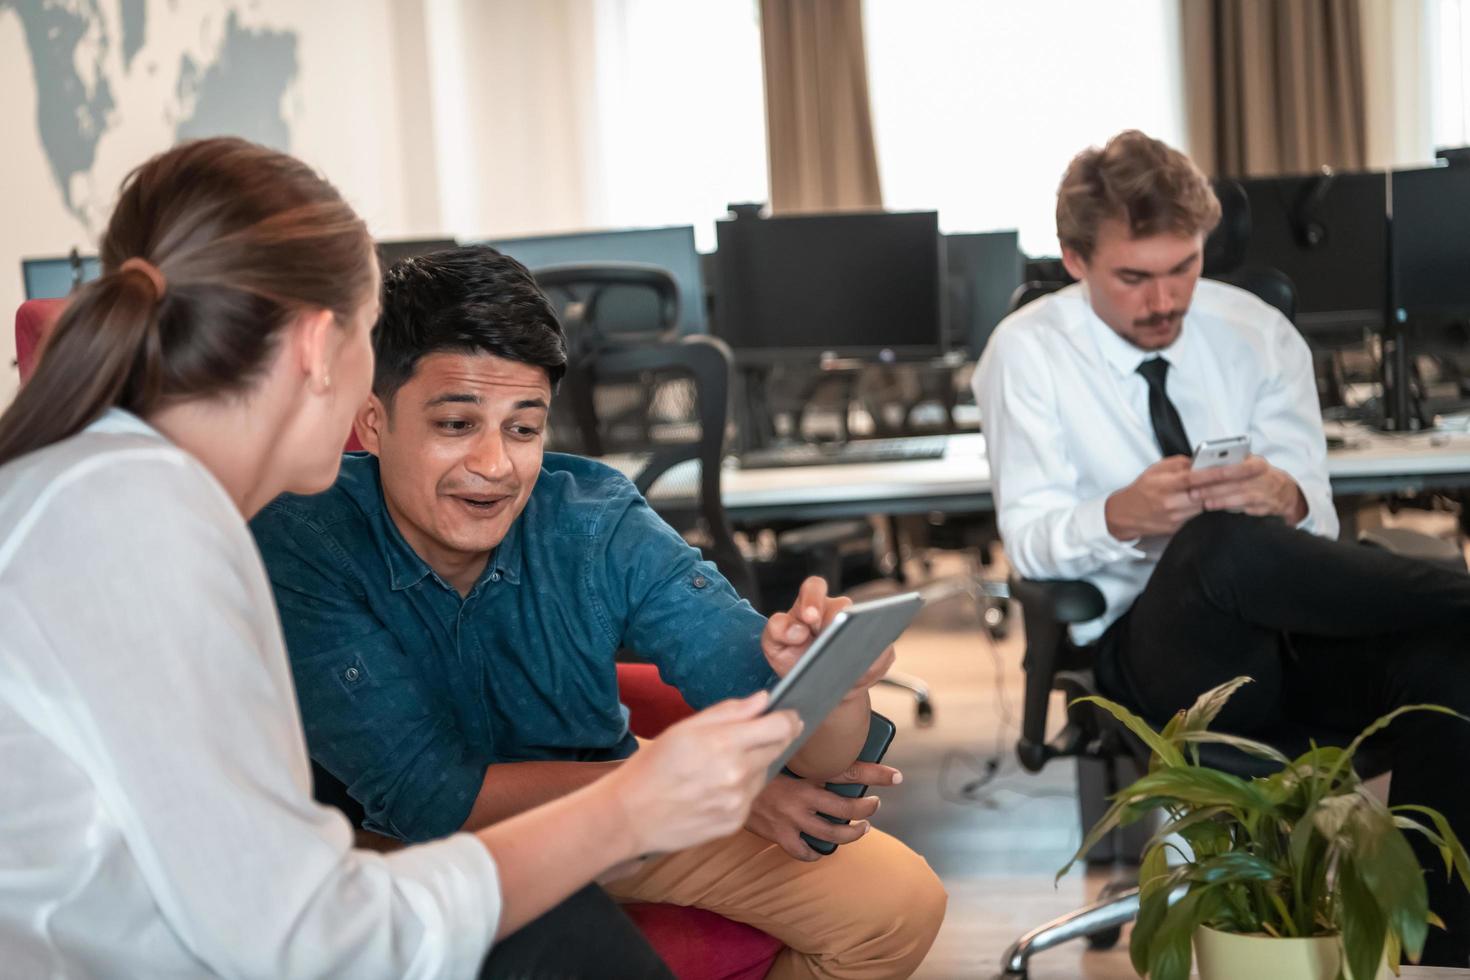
<point>1092,399</point>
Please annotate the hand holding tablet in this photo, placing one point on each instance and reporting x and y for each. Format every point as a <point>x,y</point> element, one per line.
<point>846,649</point>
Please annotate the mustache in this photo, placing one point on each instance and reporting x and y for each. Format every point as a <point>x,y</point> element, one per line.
<point>1160,319</point>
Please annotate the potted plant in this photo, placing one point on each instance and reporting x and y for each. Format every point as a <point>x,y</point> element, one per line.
<point>1304,867</point>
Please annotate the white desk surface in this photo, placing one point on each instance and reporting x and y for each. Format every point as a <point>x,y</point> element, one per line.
<point>1371,462</point>
<point>962,470</point>
<point>1372,453</point>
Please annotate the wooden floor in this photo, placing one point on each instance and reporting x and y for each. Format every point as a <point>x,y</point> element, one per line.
<point>999,853</point>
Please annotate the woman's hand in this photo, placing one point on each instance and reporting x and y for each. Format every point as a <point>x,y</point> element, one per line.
<point>696,781</point>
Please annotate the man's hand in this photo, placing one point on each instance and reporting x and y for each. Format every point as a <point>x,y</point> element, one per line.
<point>788,807</point>
<point>1158,502</point>
<point>788,635</point>
<point>1252,487</point>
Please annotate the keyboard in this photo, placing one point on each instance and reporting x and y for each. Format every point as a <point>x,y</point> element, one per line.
<point>830,454</point>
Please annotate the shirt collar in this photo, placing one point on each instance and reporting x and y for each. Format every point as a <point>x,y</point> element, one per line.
<point>1122,355</point>
<point>407,569</point>
<point>123,421</point>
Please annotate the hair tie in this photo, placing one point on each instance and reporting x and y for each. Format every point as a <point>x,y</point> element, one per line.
<point>151,271</point>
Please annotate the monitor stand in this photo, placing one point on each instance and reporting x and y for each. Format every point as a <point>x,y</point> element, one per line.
<point>1401,411</point>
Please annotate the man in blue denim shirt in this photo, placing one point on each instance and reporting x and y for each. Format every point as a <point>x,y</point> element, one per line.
<point>453,605</point>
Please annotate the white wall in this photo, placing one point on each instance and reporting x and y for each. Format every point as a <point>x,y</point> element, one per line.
<point>342,111</point>
<point>472,118</point>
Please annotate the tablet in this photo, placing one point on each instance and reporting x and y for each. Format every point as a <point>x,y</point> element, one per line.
<point>841,654</point>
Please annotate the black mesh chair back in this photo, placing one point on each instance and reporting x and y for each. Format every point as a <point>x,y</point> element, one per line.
<point>649,403</point>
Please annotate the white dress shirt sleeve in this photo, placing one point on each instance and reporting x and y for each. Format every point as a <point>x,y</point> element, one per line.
<point>1050,531</point>
<point>1286,425</point>
<point>153,659</point>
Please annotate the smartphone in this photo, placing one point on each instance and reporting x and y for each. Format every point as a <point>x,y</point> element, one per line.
<point>880,736</point>
<point>1221,452</point>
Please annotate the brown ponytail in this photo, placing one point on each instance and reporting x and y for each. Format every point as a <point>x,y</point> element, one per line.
<point>245,238</point>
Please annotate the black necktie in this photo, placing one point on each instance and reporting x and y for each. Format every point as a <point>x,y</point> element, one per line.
<point>1168,429</point>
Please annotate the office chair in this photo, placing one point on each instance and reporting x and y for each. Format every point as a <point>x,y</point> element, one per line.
<point>670,443</point>
<point>34,320</point>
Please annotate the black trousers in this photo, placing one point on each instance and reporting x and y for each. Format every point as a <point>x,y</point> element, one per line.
<point>587,937</point>
<point>1335,635</point>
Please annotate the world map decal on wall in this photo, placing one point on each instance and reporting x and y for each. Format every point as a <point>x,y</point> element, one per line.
<point>238,87</point>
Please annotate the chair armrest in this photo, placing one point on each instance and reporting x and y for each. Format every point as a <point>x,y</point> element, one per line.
<point>1047,608</point>
<point>1064,601</point>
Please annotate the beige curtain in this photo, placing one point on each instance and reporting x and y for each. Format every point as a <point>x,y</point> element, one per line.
<point>819,128</point>
<point>1274,86</point>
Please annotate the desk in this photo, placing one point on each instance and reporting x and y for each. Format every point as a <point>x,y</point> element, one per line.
<point>1370,463</point>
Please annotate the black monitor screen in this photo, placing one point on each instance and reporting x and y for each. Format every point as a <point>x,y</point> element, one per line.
<point>391,253</point>
<point>982,271</point>
<point>855,284</point>
<point>1431,241</point>
<point>671,249</point>
<point>1329,235</point>
<point>53,278</point>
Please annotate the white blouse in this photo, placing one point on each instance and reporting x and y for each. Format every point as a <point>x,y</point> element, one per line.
<point>156,817</point>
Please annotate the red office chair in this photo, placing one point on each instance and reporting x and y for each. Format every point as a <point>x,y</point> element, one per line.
<point>696,944</point>
<point>33,321</point>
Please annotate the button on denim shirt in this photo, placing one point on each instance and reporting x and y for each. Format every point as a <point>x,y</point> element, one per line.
<point>408,690</point>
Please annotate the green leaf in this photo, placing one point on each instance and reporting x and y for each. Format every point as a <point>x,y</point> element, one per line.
<point>1201,787</point>
<point>1388,868</point>
<point>1387,720</point>
<point>1234,866</point>
<point>1302,861</point>
<point>1171,953</point>
<point>1449,844</point>
<point>1333,814</point>
<point>1246,745</point>
<point>1153,868</point>
<point>1209,704</point>
<point>1196,827</point>
<point>1104,826</point>
<point>1152,906</point>
<point>1361,921</point>
<point>1164,750</point>
<point>1409,823</point>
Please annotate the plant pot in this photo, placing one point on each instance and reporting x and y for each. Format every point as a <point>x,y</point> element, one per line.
<point>1227,956</point>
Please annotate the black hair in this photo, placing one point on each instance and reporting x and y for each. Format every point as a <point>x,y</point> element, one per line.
<point>471,299</point>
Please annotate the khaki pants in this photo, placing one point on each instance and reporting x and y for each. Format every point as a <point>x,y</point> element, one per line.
<point>870,910</point>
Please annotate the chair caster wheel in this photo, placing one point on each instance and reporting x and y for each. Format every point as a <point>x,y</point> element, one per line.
<point>1106,939</point>
<point>924,715</point>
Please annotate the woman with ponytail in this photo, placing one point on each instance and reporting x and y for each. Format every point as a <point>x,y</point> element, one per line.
<point>156,817</point>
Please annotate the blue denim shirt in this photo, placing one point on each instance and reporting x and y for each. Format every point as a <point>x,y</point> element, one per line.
<point>408,690</point>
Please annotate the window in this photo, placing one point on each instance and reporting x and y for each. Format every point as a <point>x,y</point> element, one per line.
<point>679,113</point>
<point>1447,37</point>
<point>978,105</point>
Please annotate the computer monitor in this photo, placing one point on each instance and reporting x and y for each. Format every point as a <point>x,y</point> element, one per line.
<point>982,271</point>
<point>862,285</point>
<point>1431,243</point>
<point>1329,234</point>
<point>392,252</point>
<point>669,248</point>
<point>54,278</point>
